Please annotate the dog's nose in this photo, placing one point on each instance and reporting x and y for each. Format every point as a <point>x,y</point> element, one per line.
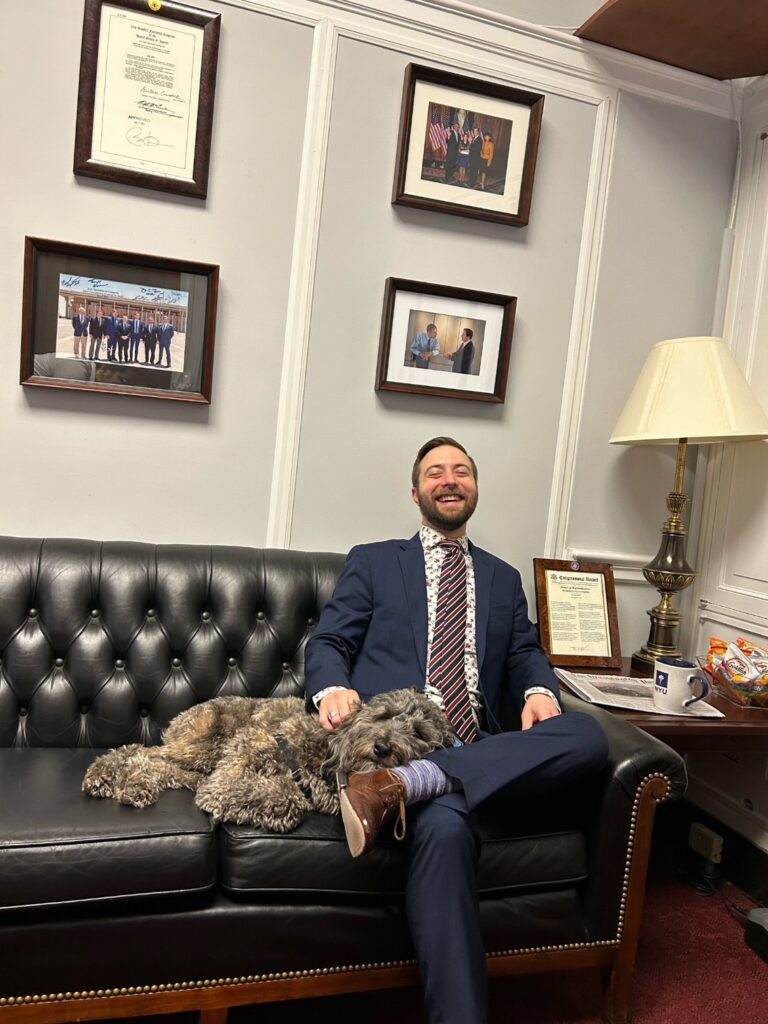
<point>381,749</point>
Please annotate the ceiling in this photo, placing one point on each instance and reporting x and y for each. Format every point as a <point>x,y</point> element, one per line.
<point>719,38</point>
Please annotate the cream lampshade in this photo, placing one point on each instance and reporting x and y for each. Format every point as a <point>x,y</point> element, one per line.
<point>689,390</point>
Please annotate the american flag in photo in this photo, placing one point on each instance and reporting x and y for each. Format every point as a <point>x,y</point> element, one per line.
<point>437,133</point>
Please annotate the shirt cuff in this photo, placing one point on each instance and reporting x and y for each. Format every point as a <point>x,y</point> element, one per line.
<point>546,692</point>
<point>318,697</point>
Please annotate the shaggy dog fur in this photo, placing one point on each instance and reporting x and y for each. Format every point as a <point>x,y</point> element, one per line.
<point>267,761</point>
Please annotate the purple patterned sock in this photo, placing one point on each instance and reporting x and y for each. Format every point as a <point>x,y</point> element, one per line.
<point>423,780</point>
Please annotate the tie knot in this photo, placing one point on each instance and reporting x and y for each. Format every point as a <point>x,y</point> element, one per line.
<point>450,545</point>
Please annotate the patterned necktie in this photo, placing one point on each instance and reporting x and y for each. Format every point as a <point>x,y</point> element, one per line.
<point>446,661</point>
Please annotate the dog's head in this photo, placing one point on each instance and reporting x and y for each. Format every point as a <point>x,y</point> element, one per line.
<point>391,729</point>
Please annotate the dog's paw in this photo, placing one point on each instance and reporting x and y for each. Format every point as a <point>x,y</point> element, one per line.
<point>140,778</point>
<point>104,775</point>
<point>137,793</point>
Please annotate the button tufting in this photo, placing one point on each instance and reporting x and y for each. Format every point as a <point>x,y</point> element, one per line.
<point>84,707</point>
<point>310,622</point>
<point>22,710</point>
<point>151,613</point>
<point>176,662</point>
<point>59,662</point>
<point>144,712</point>
<point>259,615</point>
<point>95,613</point>
<point>286,666</point>
<point>206,616</point>
<point>33,613</point>
<point>119,663</point>
<point>232,661</point>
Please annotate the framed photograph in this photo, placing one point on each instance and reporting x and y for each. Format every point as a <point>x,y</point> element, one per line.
<point>578,621</point>
<point>467,147</point>
<point>147,85</point>
<point>117,322</point>
<point>450,342</point>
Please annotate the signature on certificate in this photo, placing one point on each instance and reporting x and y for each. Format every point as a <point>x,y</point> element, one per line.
<point>138,136</point>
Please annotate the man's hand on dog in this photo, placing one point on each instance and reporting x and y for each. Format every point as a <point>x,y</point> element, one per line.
<point>337,706</point>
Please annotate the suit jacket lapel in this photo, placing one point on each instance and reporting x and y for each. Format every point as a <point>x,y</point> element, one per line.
<point>483,580</point>
<point>411,558</point>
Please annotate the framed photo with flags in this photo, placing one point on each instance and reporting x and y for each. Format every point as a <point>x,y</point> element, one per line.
<point>467,147</point>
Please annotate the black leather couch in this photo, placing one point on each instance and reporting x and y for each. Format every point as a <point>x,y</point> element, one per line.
<point>110,911</point>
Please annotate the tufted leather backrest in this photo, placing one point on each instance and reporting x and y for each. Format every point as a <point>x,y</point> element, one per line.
<point>103,643</point>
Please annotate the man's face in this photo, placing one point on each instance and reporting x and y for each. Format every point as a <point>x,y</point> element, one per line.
<point>447,491</point>
<point>464,336</point>
<point>432,333</point>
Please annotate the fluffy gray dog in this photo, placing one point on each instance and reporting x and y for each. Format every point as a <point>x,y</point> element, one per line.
<point>267,761</point>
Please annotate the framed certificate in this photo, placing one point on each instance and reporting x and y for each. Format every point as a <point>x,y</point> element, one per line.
<point>147,84</point>
<point>578,621</point>
<point>117,322</point>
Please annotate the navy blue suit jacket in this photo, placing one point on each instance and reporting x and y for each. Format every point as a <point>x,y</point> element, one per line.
<point>79,326</point>
<point>372,634</point>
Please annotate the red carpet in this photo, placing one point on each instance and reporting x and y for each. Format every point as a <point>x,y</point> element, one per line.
<point>694,967</point>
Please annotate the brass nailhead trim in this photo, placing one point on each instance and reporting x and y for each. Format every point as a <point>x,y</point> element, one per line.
<point>250,979</point>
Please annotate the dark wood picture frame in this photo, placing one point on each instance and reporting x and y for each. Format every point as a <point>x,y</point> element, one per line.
<point>412,188</point>
<point>89,166</point>
<point>396,369</point>
<point>564,660</point>
<point>59,274</point>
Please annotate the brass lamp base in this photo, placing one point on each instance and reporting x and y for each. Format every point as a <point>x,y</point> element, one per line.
<point>669,572</point>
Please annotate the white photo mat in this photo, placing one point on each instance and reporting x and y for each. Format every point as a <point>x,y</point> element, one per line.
<point>493,317</point>
<point>520,115</point>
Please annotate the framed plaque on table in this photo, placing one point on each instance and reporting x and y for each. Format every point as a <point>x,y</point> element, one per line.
<point>578,620</point>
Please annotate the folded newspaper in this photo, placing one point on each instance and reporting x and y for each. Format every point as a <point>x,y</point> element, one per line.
<point>627,692</point>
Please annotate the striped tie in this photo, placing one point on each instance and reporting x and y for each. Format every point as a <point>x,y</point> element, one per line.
<point>446,661</point>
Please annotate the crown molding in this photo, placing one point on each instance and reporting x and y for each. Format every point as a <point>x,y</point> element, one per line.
<point>451,25</point>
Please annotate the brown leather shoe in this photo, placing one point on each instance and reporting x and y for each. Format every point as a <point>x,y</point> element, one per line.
<point>368,801</point>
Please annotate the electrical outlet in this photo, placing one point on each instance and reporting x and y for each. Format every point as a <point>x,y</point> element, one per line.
<point>705,842</point>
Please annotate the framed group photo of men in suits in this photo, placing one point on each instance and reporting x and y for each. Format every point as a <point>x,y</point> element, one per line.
<point>117,322</point>
<point>466,146</point>
<point>445,341</point>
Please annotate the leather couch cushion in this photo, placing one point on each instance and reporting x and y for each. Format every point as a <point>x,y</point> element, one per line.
<point>517,853</point>
<point>58,845</point>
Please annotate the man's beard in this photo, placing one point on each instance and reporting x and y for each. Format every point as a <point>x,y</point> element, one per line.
<point>447,517</point>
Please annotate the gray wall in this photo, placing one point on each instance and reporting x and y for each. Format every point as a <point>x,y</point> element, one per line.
<point>121,467</point>
<point>108,466</point>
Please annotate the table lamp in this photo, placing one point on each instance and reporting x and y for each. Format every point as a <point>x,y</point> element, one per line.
<point>690,390</point>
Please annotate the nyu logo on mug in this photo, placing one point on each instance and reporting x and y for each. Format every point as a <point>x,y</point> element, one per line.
<point>673,685</point>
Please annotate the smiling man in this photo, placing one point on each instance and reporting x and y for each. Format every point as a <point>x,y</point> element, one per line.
<point>438,613</point>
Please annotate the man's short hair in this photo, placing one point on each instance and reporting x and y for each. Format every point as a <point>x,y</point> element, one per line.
<point>469,333</point>
<point>431,327</point>
<point>438,442</point>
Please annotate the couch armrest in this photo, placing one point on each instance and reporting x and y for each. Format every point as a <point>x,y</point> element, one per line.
<point>641,772</point>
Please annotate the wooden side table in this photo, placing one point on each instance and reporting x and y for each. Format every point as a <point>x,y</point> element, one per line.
<point>742,729</point>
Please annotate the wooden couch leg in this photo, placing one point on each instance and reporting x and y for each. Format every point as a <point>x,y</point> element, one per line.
<point>217,1016</point>
<point>617,982</point>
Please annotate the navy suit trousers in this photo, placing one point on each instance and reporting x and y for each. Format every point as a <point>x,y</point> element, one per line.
<point>441,895</point>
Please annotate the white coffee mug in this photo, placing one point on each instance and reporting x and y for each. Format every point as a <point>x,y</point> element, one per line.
<point>674,680</point>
